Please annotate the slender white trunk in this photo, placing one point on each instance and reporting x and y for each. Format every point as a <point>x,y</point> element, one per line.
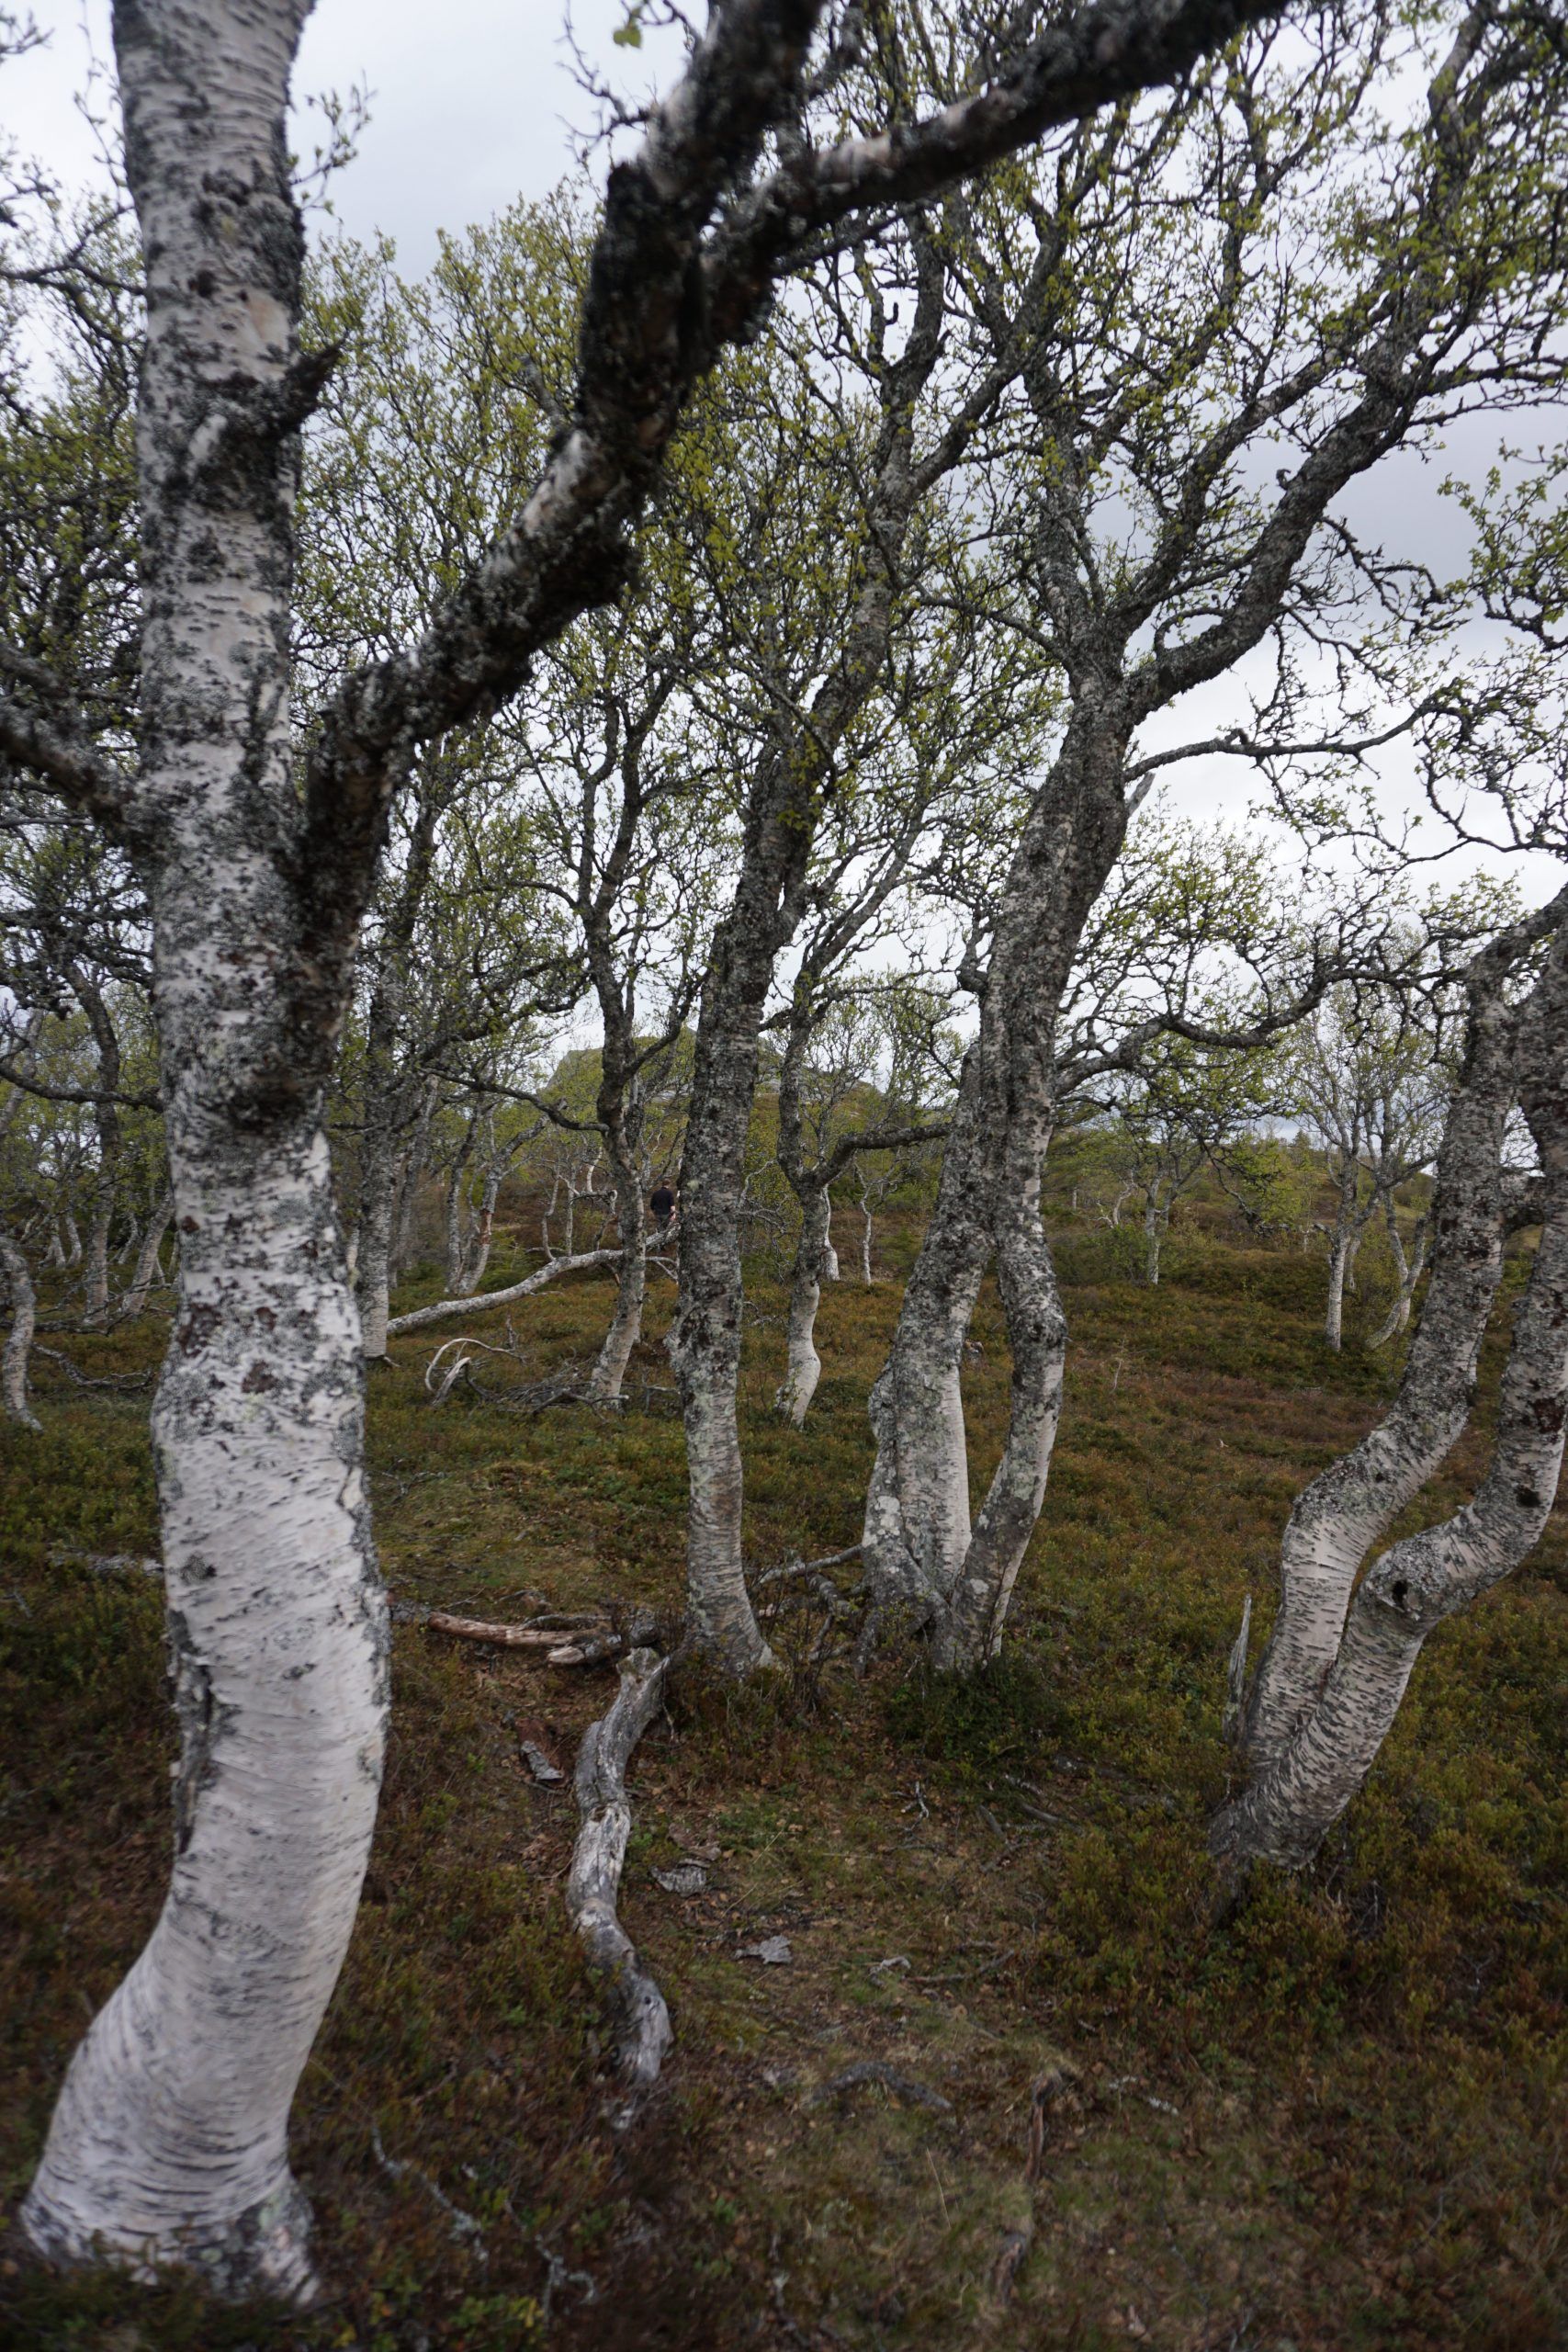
<point>1154,1235</point>
<point>1408,1269</point>
<point>476,1257</point>
<point>1334,1317</point>
<point>803,1366</point>
<point>19,1339</point>
<point>608,1376</point>
<point>95,1273</point>
<point>970,1630</point>
<point>72,1240</point>
<point>865,1241</point>
<point>146,1270</point>
<point>455,1248</point>
<point>917,1544</point>
<point>373,1268</point>
<point>830,1255</point>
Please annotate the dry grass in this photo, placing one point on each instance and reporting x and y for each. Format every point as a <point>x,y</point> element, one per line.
<point>1336,2122</point>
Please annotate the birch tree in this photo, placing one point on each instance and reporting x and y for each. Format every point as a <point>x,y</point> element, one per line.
<point>1341,1653</point>
<point>1154,554</point>
<point>256,843</point>
<point>1369,1084</point>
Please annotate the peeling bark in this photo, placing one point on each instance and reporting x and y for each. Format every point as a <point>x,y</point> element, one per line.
<point>169,2140</point>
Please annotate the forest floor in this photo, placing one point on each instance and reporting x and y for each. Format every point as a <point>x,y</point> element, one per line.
<point>1336,2120</point>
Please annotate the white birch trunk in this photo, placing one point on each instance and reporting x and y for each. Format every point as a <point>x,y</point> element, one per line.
<point>147,1269</point>
<point>476,1256</point>
<point>1345,1512</point>
<point>917,1544</point>
<point>608,1376</point>
<point>373,1264</point>
<point>1154,1235</point>
<point>803,1365</point>
<point>73,1258</point>
<point>1334,1316</point>
<point>95,1269</point>
<point>1284,1815</point>
<point>20,1338</point>
<point>169,2141</point>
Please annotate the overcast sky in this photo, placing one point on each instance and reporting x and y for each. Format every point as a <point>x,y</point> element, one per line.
<point>474,103</point>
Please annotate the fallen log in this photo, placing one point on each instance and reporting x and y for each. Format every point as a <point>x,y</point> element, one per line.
<point>483,1301</point>
<point>636,2007</point>
<point>504,1638</point>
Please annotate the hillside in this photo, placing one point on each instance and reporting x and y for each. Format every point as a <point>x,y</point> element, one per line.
<point>1102,2117</point>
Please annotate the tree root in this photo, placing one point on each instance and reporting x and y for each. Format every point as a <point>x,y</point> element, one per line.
<point>633,2001</point>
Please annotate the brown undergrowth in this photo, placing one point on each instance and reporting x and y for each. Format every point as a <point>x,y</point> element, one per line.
<point>1335,2121</point>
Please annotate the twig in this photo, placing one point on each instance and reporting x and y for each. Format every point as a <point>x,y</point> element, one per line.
<point>122,1380</point>
<point>107,1564</point>
<point>464,2227</point>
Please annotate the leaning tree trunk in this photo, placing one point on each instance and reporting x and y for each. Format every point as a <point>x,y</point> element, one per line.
<point>803,1367</point>
<point>1409,1266</point>
<point>19,1339</point>
<point>169,2142</point>
<point>1345,1512</point>
<point>1285,1814</point>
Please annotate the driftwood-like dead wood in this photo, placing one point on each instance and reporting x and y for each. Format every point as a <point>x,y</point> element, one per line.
<point>107,1564</point>
<point>504,1638</point>
<point>635,2006</point>
<point>873,2070</point>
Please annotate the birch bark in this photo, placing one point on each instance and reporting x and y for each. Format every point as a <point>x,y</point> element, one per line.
<point>1345,1512</point>
<point>1310,1778</point>
<point>169,2141</point>
<point>20,1338</point>
<point>148,1266</point>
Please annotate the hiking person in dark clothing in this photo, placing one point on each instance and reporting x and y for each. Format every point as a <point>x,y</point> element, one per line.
<point>661,1201</point>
